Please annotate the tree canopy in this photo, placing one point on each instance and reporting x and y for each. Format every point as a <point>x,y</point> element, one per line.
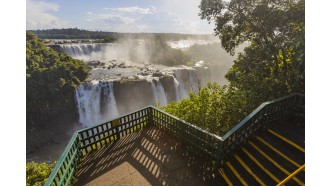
<point>37,173</point>
<point>271,66</point>
<point>51,79</point>
<point>273,63</point>
<point>215,108</point>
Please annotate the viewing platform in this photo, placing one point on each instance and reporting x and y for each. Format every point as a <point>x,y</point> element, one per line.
<point>149,157</point>
<point>151,147</point>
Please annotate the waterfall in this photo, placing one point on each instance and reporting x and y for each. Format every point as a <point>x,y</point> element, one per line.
<point>194,83</point>
<point>177,92</point>
<point>77,50</point>
<point>132,51</point>
<point>96,103</point>
<point>182,92</point>
<point>111,110</point>
<point>211,74</point>
<point>159,93</point>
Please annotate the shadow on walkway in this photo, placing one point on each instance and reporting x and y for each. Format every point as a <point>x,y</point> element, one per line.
<point>148,157</point>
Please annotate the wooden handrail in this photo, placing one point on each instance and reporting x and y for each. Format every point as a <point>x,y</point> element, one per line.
<point>291,175</point>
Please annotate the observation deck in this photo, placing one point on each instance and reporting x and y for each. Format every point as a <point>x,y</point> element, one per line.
<point>151,147</point>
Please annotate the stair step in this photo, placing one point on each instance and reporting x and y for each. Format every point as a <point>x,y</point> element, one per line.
<point>230,175</point>
<point>285,148</point>
<point>273,169</point>
<point>293,132</point>
<point>268,147</point>
<point>225,177</point>
<point>286,140</point>
<point>245,172</point>
<point>236,173</point>
<point>275,156</point>
<point>248,169</point>
<point>258,168</point>
<point>268,158</point>
<point>287,166</point>
<point>276,163</point>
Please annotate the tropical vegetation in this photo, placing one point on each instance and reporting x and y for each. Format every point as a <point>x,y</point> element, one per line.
<point>51,79</point>
<point>271,66</point>
<point>37,173</point>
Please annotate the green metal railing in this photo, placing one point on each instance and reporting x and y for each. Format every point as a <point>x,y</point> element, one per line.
<point>67,164</point>
<point>92,138</point>
<point>195,139</point>
<point>262,117</point>
<point>97,136</point>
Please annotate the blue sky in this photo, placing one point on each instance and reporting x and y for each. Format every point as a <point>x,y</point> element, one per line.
<point>179,16</point>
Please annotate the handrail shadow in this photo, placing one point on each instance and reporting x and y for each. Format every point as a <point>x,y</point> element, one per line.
<point>151,156</point>
<point>91,144</point>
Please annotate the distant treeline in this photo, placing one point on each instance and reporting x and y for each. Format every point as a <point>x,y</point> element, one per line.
<point>75,33</point>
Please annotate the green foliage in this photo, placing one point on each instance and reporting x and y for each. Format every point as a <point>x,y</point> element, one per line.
<point>216,109</point>
<point>271,66</point>
<point>51,79</point>
<point>37,173</point>
<point>75,33</point>
<point>273,63</point>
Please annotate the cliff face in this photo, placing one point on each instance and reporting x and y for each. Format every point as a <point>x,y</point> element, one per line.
<point>102,100</point>
<point>132,95</point>
<point>169,88</point>
<point>116,88</point>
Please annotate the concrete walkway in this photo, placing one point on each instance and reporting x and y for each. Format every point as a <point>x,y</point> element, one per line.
<point>147,157</point>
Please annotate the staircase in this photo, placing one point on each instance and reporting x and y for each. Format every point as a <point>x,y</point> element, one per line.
<point>268,158</point>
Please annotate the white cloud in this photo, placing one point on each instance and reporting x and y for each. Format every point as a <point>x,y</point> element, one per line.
<point>121,19</point>
<point>38,16</point>
<point>133,10</point>
<point>110,18</point>
<point>137,19</point>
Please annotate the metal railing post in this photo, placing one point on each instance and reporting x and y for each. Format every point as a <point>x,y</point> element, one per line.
<point>150,116</point>
<point>218,161</point>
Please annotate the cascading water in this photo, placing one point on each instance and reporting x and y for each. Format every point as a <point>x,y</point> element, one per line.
<point>96,103</point>
<point>177,91</point>
<point>119,86</point>
<point>159,93</point>
<point>193,81</point>
<point>130,50</point>
<point>182,92</point>
<point>212,73</point>
<point>77,50</point>
<point>186,80</point>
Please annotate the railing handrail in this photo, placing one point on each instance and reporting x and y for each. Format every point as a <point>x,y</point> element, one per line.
<point>253,113</point>
<point>291,175</point>
<point>61,160</point>
<point>187,123</point>
<point>219,149</point>
<point>97,125</point>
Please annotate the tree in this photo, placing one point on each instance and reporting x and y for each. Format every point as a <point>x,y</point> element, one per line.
<point>271,66</point>
<point>273,63</point>
<point>51,79</point>
<point>37,173</point>
<point>215,108</point>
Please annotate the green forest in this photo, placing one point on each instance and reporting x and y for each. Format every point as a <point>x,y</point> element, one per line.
<point>51,79</point>
<point>271,66</point>
<point>76,33</point>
